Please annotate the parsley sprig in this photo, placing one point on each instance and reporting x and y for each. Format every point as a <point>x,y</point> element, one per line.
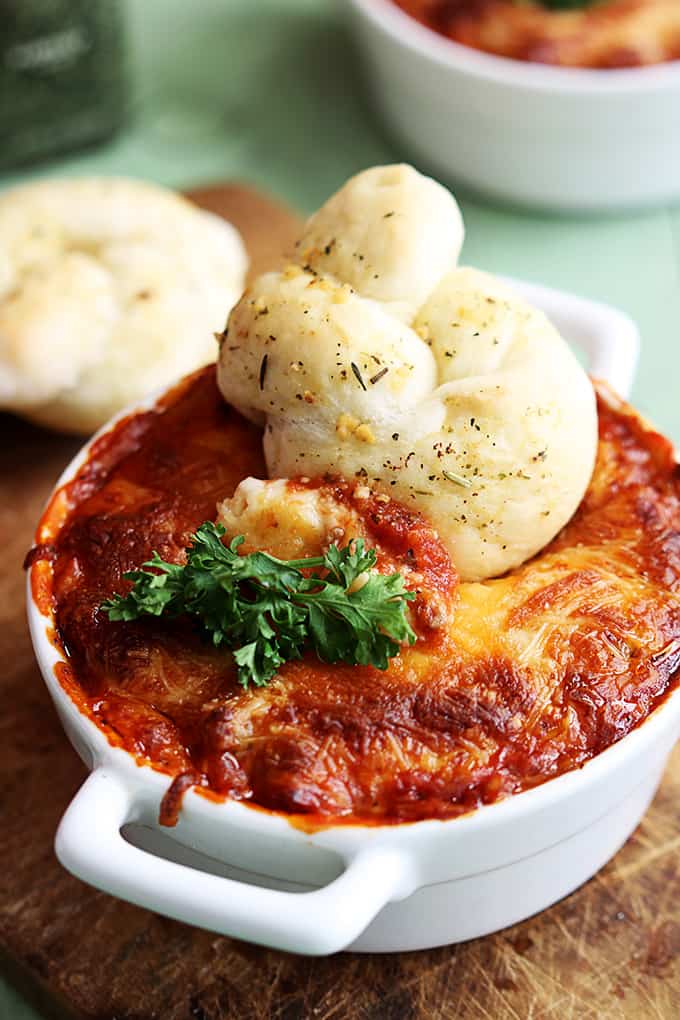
<point>267,611</point>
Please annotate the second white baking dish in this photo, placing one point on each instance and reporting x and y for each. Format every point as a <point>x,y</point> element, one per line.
<point>564,138</point>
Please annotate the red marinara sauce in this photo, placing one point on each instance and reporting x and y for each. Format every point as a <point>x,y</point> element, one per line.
<point>532,675</point>
<point>606,34</point>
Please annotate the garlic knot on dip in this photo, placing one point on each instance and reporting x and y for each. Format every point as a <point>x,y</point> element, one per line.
<point>373,356</point>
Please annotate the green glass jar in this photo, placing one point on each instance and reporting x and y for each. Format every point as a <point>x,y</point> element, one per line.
<point>62,80</point>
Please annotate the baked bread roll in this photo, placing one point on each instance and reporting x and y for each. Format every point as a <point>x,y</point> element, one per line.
<point>374,357</point>
<point>109,289</point>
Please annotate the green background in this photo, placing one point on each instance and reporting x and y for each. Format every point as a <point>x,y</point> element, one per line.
<point>270,91</point>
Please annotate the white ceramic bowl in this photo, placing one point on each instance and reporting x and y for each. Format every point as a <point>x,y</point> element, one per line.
<point>251,874</point>
<point>564,138</point>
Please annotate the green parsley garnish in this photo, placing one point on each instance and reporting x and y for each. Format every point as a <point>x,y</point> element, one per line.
<point>267,612</point>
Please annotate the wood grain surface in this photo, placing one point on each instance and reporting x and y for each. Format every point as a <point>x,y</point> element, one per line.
<point>611,951</point>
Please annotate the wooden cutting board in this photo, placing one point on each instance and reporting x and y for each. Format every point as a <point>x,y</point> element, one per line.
<point>608,952</point>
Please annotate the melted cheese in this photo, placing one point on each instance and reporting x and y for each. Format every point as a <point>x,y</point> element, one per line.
<point>287,519</point>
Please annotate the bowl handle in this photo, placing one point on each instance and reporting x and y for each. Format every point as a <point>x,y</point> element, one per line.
<point>608,337</point>
<point>89,844</point>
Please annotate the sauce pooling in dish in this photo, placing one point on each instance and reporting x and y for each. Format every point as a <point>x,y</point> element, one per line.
<point>524,677</point>
<point>608,34</point>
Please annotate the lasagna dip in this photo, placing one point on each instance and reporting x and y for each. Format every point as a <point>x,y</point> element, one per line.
<point>511,681</point>
<point>590,33</point>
